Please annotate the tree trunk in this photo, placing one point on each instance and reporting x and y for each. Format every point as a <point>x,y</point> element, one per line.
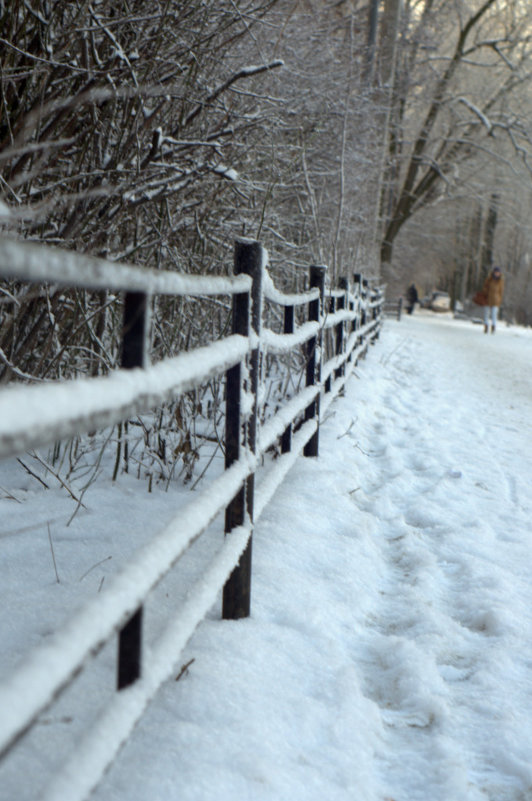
<point>384,79</point>
<point>416,187</point>
<point>489,234</point>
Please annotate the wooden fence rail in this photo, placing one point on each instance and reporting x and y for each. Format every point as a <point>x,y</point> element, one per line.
<point>37,415</point>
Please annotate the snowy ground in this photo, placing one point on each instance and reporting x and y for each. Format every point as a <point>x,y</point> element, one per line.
<point>389,652</point>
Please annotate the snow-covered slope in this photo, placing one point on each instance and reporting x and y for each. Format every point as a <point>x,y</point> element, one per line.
<point>389,651</point>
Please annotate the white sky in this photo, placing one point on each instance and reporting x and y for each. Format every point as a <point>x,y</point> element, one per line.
<point>389,651</point>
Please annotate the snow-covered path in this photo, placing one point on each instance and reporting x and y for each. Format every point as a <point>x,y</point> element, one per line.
<point>448,485</point>
<point>389,652</point>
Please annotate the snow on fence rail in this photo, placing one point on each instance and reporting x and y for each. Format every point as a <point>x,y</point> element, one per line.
<point>32,416</point>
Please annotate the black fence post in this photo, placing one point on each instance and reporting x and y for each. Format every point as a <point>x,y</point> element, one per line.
<point>134,330</point>
<point>130,651</point>
<point>376,300</point>
<point>332,308</point>
<point>134,341</point>
<point>341,304</point>
<point>351,306</point>
<point>357,278</point>
<point>237,590</point>
<point>361,322</point>
<point>317,279</point>
<point>288,328</point>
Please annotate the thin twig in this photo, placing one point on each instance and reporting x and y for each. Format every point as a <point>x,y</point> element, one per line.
<point>27,469</point>
<point>15,370</point>
<point>10,495</point>
<point>56,475</point>
<point>95,565</point>
<point>52,721</point>
<point>76,510</point>
<point>367,453</point>
<point>195,484</point>
<point>53,554</point>
<point>348,429</point>
<point>386,358</point>
<point>184,670</point>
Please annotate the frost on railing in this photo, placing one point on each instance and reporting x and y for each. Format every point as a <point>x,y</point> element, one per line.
<point>338,326</point>
<point>33,262</point>
<point>273,294</point>
<point>76,407</point>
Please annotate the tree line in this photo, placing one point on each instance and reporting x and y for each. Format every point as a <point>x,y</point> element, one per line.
<point>389,137</point>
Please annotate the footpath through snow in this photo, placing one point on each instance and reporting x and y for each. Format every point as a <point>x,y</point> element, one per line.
<point>389,655</point>
<point>389,652</point>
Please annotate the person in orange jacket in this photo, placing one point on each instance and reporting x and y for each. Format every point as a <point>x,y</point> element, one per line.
<point>493,289</point>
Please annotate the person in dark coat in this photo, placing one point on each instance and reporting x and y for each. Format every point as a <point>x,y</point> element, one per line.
<point>411,298</point>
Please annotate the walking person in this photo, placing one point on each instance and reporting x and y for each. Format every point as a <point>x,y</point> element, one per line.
<point>493,289</point>
<point>411,298</point>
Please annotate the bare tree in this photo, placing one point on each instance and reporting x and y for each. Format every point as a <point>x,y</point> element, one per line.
<point>122,131</point>
<point>475,58</point>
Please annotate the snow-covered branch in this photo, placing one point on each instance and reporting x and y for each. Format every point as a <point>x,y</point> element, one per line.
<point>472,107</point>
<point>245,72</point>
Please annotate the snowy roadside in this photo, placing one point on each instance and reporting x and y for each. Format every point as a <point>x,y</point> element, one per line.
<point>389,651</point>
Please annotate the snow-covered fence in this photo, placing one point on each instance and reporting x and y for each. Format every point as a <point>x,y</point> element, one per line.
<point>393,308</point>
<point>36,415</point>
